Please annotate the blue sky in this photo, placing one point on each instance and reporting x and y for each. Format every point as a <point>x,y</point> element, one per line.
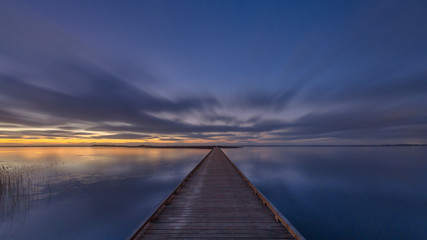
<point>282,72</point>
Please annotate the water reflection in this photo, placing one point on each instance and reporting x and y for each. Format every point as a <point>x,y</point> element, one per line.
<point>18,191</point>
<point>344,192</point>
<point>105,193</point>
<point>95,193</point>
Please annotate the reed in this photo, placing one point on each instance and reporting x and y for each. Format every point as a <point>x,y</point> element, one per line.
<point>18,190</point>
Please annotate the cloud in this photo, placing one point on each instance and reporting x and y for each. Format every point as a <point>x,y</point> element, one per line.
<point>263,100</point>
<point>107,99</point>
<point>55,86</point>
<point>374,89</point>
<point>42,133</point>
<point>125,136</point>
<point>362,123</point>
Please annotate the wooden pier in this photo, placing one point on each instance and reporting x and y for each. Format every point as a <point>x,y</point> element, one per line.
<point>216,201</point>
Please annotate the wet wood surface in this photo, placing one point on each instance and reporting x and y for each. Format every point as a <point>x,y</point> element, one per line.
<point>214,202</point>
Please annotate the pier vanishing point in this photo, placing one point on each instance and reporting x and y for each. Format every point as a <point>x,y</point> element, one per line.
<point>216,201</point>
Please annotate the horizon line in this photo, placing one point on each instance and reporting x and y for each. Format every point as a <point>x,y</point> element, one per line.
<point>221,145</point>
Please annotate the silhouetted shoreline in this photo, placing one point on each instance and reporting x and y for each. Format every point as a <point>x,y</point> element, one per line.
<point>168,146</point>
<point>225,146</point>
<point>340,145</point>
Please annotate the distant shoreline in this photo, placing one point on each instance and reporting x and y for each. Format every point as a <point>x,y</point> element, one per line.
<point>222,146</point>
<point>340,145</point>
<point>167,146</point>
<point>132,146</point>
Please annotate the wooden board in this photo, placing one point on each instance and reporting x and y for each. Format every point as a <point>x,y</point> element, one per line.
<point>216,201</point>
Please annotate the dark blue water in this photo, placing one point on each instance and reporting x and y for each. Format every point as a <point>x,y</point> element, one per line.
<point>343,192</point>
<point>106,193</point>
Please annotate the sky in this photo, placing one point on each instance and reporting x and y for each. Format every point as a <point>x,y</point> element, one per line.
<point>217,72</point>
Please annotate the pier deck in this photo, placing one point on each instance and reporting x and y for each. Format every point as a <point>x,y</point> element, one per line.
<point>216,201</point>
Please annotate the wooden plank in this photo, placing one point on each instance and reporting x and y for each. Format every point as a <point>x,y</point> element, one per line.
<point>218,235</point>
<point>225,231</point>
<point>216,200</point>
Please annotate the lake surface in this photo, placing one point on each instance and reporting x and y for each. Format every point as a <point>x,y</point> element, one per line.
<point>106,193</point>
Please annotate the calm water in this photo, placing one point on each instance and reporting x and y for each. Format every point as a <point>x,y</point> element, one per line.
<point>105,193</point>
<point>89,193</point>
<point>343,192</point>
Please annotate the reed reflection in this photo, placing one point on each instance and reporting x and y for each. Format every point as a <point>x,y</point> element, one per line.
<point>20,188</point>
<point>87,193</point>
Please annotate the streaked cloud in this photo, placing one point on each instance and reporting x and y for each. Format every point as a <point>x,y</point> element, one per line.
<point>359,80</point>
